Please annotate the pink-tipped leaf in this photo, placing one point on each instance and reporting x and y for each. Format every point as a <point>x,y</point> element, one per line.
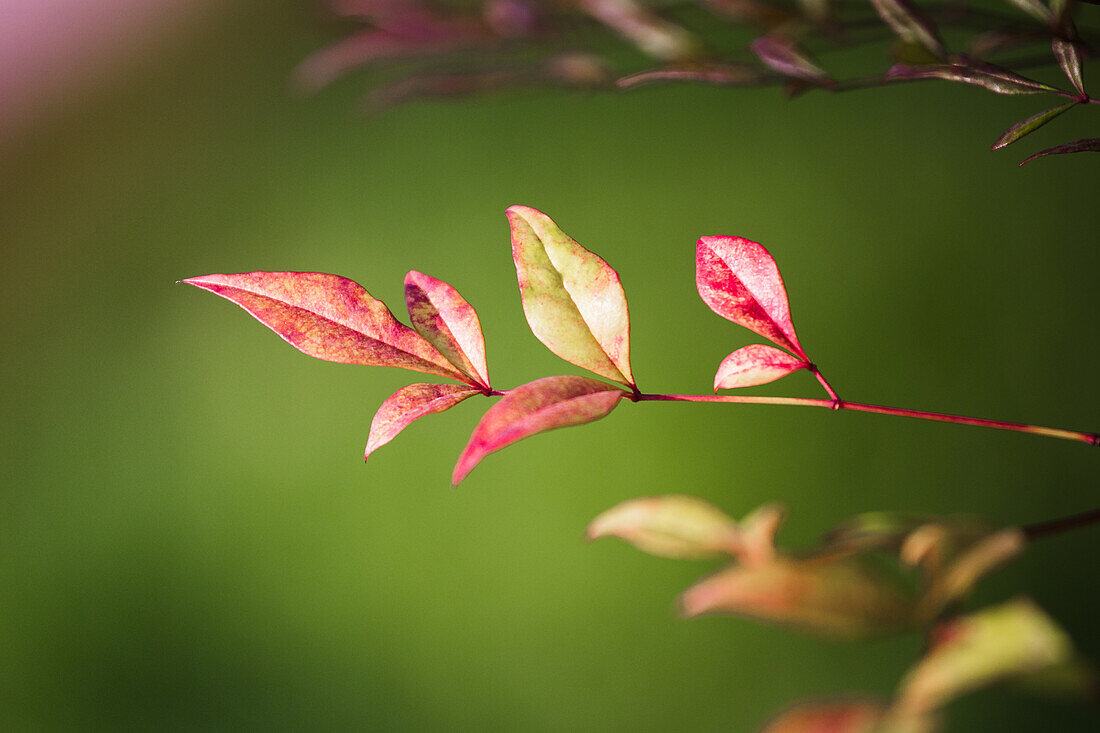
<point>845,598</point>
<point>1030,125</point>
<point>331,318</point>
<point>411,403</point>
<point>755,364</point>
<point>739,280</point>
<point>442,316</point>
<point>545,404</point>
<point>572,299</point>
<point>781,54</point>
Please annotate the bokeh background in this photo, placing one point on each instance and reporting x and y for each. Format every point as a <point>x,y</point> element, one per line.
<point>190,540</point>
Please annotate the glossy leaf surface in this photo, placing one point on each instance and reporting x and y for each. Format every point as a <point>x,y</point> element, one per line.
<point>844,598</point>
<point>781,54</point>
<point>1004,642</point>
<point>329,317</point>
<point>910,25</point>
<point>545,404</point>
<point>1030,125</point>
<point>448,322</point>
<point>987,76</point>
<point>1086,145</point>
<point>1069,59</point>
<point>572,299</point>
<point>672,525</point>
<point>410,403</point>
<point>739,280</point>
<point>755,364</point>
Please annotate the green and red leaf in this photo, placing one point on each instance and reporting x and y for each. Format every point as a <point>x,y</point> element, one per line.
<point>781,54</point>
<point>846,597</point>
<point>988,76</point>
<point>545,404</point>
<point>573,300</point>
<point>411,403</point>
<point>739,280</point>
<point>756,364</point>
<point>331,318</point>
<point>442,316</point>
<point>1030,125</point>
<point>910,25</point>
<point>1069,59</point>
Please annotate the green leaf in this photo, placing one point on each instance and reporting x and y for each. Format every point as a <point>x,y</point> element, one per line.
<point>572,299</point>
<point>1030,125</point>
<point>910,25</point>
<point>1005,642</point>
<point>672,525</point>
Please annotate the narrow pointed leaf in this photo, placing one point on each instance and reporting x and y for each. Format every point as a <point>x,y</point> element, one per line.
<point>910,25</point>
<point>1069,58</point>
<point>442,316</point>
<point>987,76</point>
<point>954,559</point>
<point>1035,9</point>
<point>1009,641</point>
<point>738,279</point>
<point>844,598</point>
<point>753,365</point>
<point>781,54</point>
<point>1030,125</point>
<point>716,74</point>
<point>545,404</point>
<point>650,33</point>
<point>1086,145</point>
<point>329,317</point>
<point>672,525</point>
<point>573,300</point>
<point>846,716</point>
<point>410,403</point>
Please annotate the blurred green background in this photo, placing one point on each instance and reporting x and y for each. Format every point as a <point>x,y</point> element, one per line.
<point>189,538</point>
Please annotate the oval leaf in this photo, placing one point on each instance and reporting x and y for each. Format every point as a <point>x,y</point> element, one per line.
<point>1030,125</point>
<point>987,76</point>
<point>738,279</point>
<point>545,404</point>
<point>408,404</point>
<point>329,317</point>
<point>673,525</point>
<point>572,299</point>
<point>1086,145</point>
<point>845,598</point>
<point>753,365</point>
<point>909,25</point>
<point>442,316</point>
<point>1012,640</point>
<point>1069,58</point>
<point>781,54</point>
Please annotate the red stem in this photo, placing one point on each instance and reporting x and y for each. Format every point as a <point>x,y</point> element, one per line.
<point>837,404</point>
<point>1054,526</point>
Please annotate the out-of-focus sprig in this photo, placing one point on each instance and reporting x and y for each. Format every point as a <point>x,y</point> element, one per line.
<point>455,48</point>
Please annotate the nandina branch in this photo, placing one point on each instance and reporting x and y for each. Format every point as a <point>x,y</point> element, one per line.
<point>1062,524</point>
<point>836,404</point>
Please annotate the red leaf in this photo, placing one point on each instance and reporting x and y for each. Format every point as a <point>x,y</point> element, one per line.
<point>739,280</point>
<point>753,365</point>
<point>442,316</point>
<point>329,317</point>
<point>411,403</point>
<point>1069,59</point>
<point>1086,145</point>
<point>545,404</point>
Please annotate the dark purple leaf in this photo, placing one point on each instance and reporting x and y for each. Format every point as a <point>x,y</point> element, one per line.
<point>1087,145</point>
<point>987,76</point>
<point>1069,58</point>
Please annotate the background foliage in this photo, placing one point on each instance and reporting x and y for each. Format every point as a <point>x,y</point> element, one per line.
<point>189,539</point>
